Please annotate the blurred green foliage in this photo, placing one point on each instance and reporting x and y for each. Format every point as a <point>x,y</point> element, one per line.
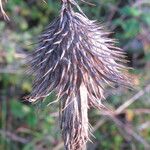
<point>24,126</point>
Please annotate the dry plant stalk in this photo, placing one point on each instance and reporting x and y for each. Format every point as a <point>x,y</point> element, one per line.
<point>76,59</point>
<point>2,10</point>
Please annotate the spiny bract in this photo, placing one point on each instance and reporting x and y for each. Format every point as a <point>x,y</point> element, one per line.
<point>75,58</point>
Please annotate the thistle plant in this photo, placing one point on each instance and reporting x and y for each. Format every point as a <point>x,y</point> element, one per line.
<point>76,59</point>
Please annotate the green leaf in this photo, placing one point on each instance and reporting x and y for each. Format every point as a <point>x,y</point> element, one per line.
<point>2,26</point>
<point>49,119</point>
<point>147,57</point>
<point>146,18</point>
<point>131,28</point>
<point>130,11</point>
<point>10,57</point>
<point>26,86</point>
<point>31,119</point>
<point>19,110</point>
<point>29,146</point>
<point>117,22</point>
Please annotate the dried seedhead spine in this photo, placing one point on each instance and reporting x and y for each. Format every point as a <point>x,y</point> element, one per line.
<point>2,10</point>
<point>75,58</point>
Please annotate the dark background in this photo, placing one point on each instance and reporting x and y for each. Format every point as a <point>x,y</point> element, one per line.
<point>24,126</point>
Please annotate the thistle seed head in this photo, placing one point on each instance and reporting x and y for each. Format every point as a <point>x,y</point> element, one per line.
<point>76,59</point>
<point>72,50</point>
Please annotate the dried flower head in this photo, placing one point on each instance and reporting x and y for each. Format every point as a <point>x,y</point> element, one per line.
<point>76,59</point>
